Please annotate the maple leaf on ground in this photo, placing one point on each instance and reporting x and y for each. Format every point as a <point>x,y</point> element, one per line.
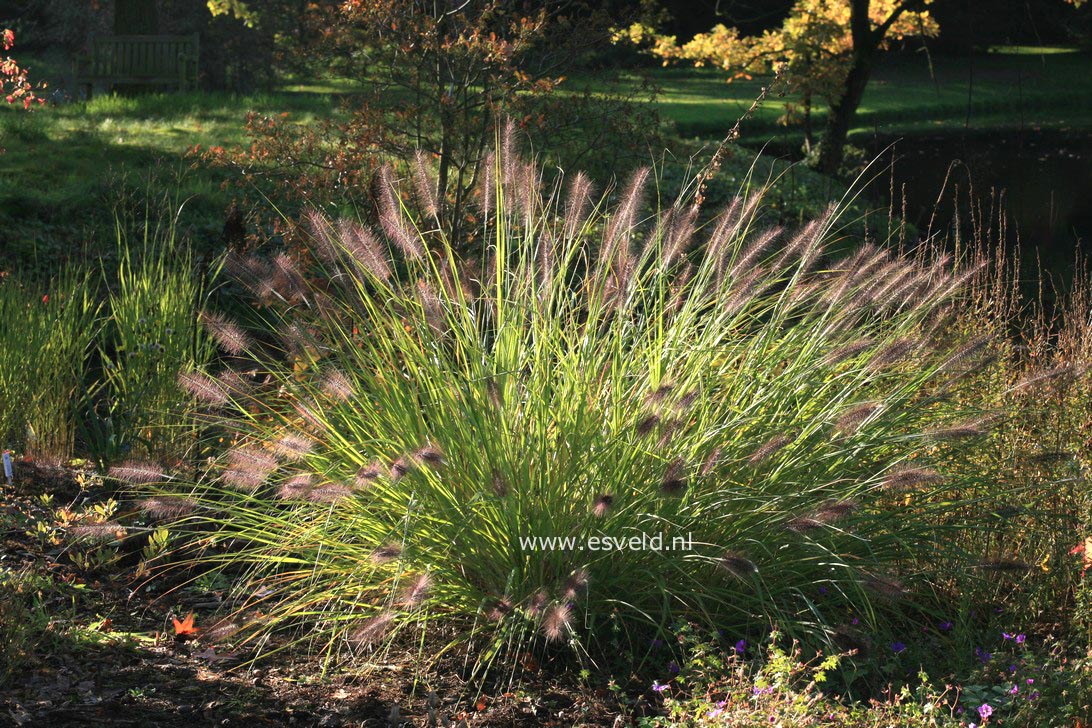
<point>185,630</point>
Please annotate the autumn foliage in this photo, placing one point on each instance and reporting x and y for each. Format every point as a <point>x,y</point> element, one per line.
<point>14,82</point>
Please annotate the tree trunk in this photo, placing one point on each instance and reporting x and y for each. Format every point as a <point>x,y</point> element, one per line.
<point>842,109</point>
<point>842,112</point>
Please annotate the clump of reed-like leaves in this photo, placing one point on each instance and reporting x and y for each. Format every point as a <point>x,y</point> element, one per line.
<point>46,333</point>
<point>424,425</point>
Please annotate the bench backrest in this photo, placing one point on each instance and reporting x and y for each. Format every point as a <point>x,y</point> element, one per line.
<point>143,56</point>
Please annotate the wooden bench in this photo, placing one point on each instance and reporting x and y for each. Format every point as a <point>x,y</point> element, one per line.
<point>147,60</point>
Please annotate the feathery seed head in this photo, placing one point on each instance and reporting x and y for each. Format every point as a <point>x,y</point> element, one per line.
<point>400,467</point>
<point>387,553</point>
<point>893,353</point>
<point>322,235</point>
<point>737,565</point>
<point>848,351</point>
<point>429,455</point>
<point>908,478</point>
<point>366,251</point>
<point>884,586</point>
<point>537,602</point>
<point>203,387</point>
<point>576,205</point>
<point>575,586</point>
<point>138,473</point>
<point>367,475</point>
<point>711,461</point>
<point>834,511</point>
<point>246,480</point>
<point>167,506</point>
<point>296,487</point>
<point>424,184</point>
<point>337,386</point>
<point>686,402</point>
<point>803,524</point>
<point>852,419</point>
<point>372,631</point>
<point>603,504</point>
<point>416,592</point>
<point>390,218</point>
<point>329,493</point>
<point>668,429</point>
<point>500,609</point>
<point>555,621</point>
<point>956,432</point>
<point>647,425</point>
<point>236,384</point>
<point>768,448</point>
<point>228,336</point>
<point>104,531</point>
<point>252,458</point>
<point>293,446</point>
<point>680,234</point>
<point>674,480</point>
<point>659,394</point>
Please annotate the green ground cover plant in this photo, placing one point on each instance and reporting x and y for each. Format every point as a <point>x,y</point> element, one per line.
<point>44,347</point>
<point>152,333</point>
<point>90,364</point>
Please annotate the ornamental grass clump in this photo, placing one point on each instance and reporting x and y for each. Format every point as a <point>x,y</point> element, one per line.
<point>611,422</point>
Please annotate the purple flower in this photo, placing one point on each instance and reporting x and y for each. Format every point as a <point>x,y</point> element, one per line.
<point>822,591</point>
<point>1020,639</point>
<point>897,647</point>
<point>657,643</point>
<point>1006,635</point>
<point>1012,668</point>
<point>673,668</point>
<point>946,626</point>
<point>1031,681</point>
<point>855,621</point>
<point>741,646</point>
<point>1015,689</point>
<point>656,686</point>
<point>985,711</point>
<point>982,655</point>
<point>1034,695</point>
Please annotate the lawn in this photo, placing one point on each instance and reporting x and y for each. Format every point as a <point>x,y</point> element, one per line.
<point>908,94</point>
<point>67,168</point>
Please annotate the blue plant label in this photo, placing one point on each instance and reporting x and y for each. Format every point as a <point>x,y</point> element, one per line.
<point>7,467</point>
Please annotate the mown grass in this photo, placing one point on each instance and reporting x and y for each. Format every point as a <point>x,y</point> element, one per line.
<point>66,167</point>
<point>905,96</point>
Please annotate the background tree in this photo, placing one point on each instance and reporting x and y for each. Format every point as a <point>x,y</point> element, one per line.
<point>15,85</point>
<point>431,80</point>
<point>826,48</point>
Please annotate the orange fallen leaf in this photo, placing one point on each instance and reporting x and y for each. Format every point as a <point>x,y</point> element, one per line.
<point>480,705</point>
<point>185,629</point>
<point>107,625</point>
